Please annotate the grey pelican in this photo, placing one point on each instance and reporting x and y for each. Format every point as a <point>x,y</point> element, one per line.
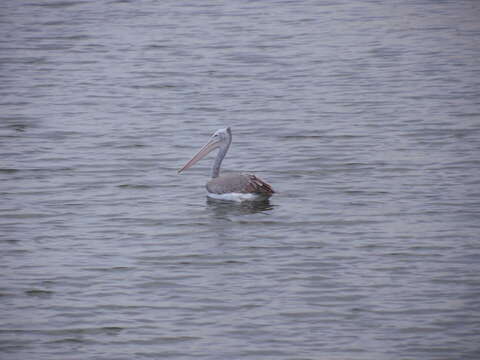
<point>235,186</point>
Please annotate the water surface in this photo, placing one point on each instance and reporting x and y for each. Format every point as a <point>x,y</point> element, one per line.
<point>364,116</point>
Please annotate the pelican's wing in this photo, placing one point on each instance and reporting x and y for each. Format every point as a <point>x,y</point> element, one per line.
<point>239,183</point>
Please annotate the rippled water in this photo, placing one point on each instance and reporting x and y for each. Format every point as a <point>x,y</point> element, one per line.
<point>363,115</point>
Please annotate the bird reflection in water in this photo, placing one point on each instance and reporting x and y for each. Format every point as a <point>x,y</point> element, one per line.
<point>227,215</point>
<point>224,207</point>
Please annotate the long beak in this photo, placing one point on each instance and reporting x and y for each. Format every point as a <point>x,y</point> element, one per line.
<point>211,145</point>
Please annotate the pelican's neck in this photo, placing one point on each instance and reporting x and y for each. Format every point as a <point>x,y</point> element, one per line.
<point>222,151</point>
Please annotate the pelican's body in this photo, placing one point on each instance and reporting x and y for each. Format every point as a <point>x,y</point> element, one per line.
<point>234,186</point>
<point>238,187</point>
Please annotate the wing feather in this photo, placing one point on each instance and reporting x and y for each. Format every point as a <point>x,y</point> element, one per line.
<point>257,185</point>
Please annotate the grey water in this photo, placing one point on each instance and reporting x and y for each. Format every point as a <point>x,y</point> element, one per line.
<point>363,115</point>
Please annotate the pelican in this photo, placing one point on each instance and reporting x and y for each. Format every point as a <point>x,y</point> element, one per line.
<point>235,186</point>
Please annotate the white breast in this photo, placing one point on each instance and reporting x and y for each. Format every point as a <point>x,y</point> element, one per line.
<point>232,196</point>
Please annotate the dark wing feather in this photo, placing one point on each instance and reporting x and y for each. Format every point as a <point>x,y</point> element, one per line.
<point>258,186</point>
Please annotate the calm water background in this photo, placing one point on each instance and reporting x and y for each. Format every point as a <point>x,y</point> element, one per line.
<point>363,115</point>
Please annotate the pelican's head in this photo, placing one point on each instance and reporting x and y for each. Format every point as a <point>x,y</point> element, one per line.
<point>222,136</point>
<point>220,139</point>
